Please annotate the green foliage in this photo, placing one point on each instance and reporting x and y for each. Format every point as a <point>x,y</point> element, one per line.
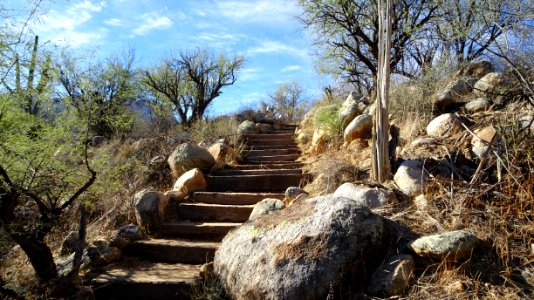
<point>288,101</point>
<point>212,130</point>
<point>327,118</point>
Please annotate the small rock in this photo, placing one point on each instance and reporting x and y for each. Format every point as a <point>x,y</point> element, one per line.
<point>480,143</point>
<point>318,143</point>
<point>293,192</point>
<point>393,276</point>
<point>421,202</point>
<point>489,83</point>
<point>350,109</point>
<point>266,206</point>
<point>97,140</point>
<point>527,123</point>
<point>451,93</point>
<point>119,242</point>
<point>411,177</point>
<point>368,196</point>
<point>444,125</point>
<point>452,246</point>
<point>150,208</point>
<point>360,127</point>
<point>424,142</point>
<point>130,232</point>
<point>69,243</point>
<point>477,105</point>
<point>104,255</point>
<point>190,182</point>
<point>247,127</point>
<point>176,196</point>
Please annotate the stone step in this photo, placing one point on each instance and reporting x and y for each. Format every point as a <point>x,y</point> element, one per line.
<point>173,250</point>
<point>257,172</point>
<point>269,152</point>
<point>214,212</point>
<point>272,158</point>
<point>272,142</point>
<point>197,230</point>
<point>234,198</point>
<point>147,281</point>
<point>271,165</point>
<point>253,183</point>
<point>270,147</point>
<point>270,136</point>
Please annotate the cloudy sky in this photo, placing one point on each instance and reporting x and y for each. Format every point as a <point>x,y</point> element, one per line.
<point>265,31</point>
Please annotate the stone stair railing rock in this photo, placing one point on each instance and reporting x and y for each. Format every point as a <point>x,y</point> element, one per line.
<point>168,264</point>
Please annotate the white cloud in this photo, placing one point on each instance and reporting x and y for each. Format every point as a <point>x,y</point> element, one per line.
<point>152,21</point>
<point>291,68</point>
<point>258,11</point>
<point>64,28</point>
<point>114,22</point>
<point>276,47</point>
<point>249,74</point>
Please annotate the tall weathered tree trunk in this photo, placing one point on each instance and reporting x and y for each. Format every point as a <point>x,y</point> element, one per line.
<point>380,160</point>
<point>40,257</point>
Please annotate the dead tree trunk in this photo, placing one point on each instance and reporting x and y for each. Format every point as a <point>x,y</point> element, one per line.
<point>380,160</point>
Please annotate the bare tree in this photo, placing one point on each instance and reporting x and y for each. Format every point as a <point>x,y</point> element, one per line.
<point>287,100</point>
<point>192,81</point>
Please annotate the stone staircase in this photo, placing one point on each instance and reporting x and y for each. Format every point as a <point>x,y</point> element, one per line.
<point>168,264</point>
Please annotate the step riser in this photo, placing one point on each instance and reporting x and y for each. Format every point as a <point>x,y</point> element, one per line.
<point>288,157</point>
<point>271,147</point>
<point>271,166</point>
<point>257,183</point>
<point>197,233</point>
<point>206,213</point>
<point>286,143</point>
<point>269,136</point>
<point>171,254</point>
<point>270,152</point>
<point>142,291</point>
<point>258,172</point>
<point>234,198</point>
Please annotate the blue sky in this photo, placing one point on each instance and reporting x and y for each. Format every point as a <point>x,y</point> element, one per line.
<point>276,48</point>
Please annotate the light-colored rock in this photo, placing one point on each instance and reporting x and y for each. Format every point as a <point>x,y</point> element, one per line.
<point>411,178</point>
<point>480,143</point>
<point>247,127</point>
<point>360,127</point>
<point>318,143</point>
<point>176,196</point>
<point>424,142</point>
<point>527,123</point>
<point>452,246</point>
<point>150,208</point>
<point>451,93</point>
<point>188,156</point>
<point>190,182</point>
<point>300,251</point>
<point>221,152</point>
<point>477,105</point>
<point>421,202</point>
<point>393,276</point>
<point>444,125</point>
<point>293,192</point>
<point>350,108</point>
<point>371,109</point>
<point>368,196</point>
<point>489,83</point>
<point>266,206</point>
<point>263,127</point>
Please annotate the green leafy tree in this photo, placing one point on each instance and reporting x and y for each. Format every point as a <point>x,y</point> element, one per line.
<point>101,92</point>
<point>191,81</point>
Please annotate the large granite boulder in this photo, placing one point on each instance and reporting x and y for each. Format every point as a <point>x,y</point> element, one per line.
<point>451,93</point>
<point>489,83</point>
<point>187,156</point>
<point>369,196</point>
<point>247,127</point>
<point>300,251</point>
